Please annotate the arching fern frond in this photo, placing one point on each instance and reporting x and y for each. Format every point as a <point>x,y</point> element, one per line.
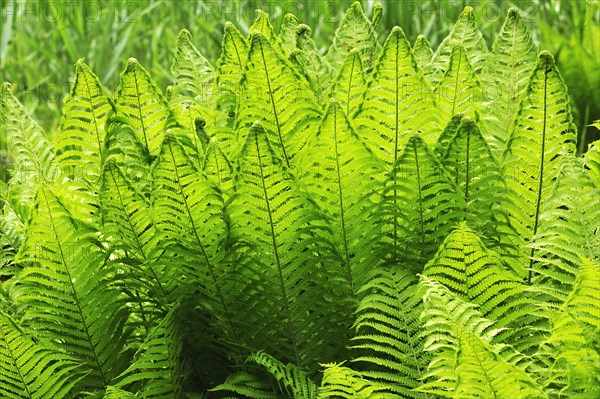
<point>263,25</point>
<point>29,370</point>
<point>66,292</point>
<point>465,363</point>
<point>142,102</point>
<point>80,137</point>
<point>348,86</point>
<point>397,101</point>
<point>423,52</point>
<point>192,72</point>
<point>447,135</point>
<point>230,67</point>
<point>506,75</point>
<point>459,90</point>
<point>310,62</point>
<point>288,32</point>
<point>466,34</point>
<point>275,95</point>
<point>568,230</point>
<point>345,179</point>
<point>388,346</point>
<point>218,168</point>
<point>344,383</point>
<point>290,286</point>
<point>354,32</point>
<point>543,131</point>
<point>419,208</point>
<point>591,161</point>
<point>471,165</point>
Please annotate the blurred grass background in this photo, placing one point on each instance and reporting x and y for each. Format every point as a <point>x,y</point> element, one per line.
<point>42,39</point>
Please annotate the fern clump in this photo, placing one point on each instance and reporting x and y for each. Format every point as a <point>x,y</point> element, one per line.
<point>364,223</point>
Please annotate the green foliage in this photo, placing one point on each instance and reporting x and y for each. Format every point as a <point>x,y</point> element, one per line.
<point>287,224</point>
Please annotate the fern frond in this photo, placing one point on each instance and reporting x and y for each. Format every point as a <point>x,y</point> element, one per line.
<point>459,90</point>
<point>192,72</point>
<point>543,131</point>
<point>263,25</point>
<point>344,383</point>
<point>568,230</point>
<point>291,287</point>
<point>423,52</point>
<point>274,94</point>
<point>66,294</point>
<point>354,32</point>
<point>80,137</point>
<point>157,371</point>
<point>466,34</point>
<point>506,75</point>
<point>29,370</point>
<point>310,62</point>
<point>230,67</point>
<point>248,386</point>
<point>388,346</point>
<point>397,101</point>
<point>345,179</point>
<point>142,102</point>
<point>471,165</point>
<point>447,136</point>
<point>465,364</point>
<point>477,275</point>
<point>419,208</point>
<point>348,86</point>
<point>218,168</point>
<point>117,393</point>
<point>287,32</point>
<point>569,359</point>
<point>29,148</point>
<point>591,160</point>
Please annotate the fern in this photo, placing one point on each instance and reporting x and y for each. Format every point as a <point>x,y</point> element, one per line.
<point>506,75</point>
<point>349,84</point>
<point>354,32</point>
<point>396,104</point>
<point>29,370</point>
<point>287,108</point>
<point>288,268</point>
<point>388,345</point>
<point>342,382</point>
<point>467,365</point>
<point>230,66</point>
<point>141,101</point>
<point>422,51</point>
<point>61,290</point>
<point>542,132</point>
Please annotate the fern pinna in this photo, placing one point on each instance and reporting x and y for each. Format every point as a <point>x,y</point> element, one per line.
<point>379,221</point>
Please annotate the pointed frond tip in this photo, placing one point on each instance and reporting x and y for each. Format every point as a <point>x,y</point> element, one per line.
<point>546,58</point>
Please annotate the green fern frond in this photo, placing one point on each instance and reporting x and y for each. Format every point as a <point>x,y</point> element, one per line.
<point>506,75</point>
<point>591,160</point>
<point>287,32</point>
<point>66,293</point>
<point>477,275</point>
<point>291,380</point>
<point>388,346</point>
<point>29,370</point>
<point>274,94</point>
<point>291,287</point>
<point>192,72</point>
<point>345,179</point>
<point>263,25</point>
<point>569,357</point>
<point>568,230</point>
<point>466,364</point>
<point>157,371</point>
<point>348,86</point>
<point>447,136</point>
<point>310,62</point>
<point>459,90</point>
<point>117,393</point>
<point>142,102</point>
<point>466,34</point>
<point>471,165</point>
<point>542,132</point>
<point>248,386</point>
<point>29,148</point>
<point>423,52</point>
<point>218,168</point>
<point>230,67</point>
<point>80,137</point>
<point>419,208</point>
<point>397,101</point>
<point>344,383</point>
<point>354,32</point>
